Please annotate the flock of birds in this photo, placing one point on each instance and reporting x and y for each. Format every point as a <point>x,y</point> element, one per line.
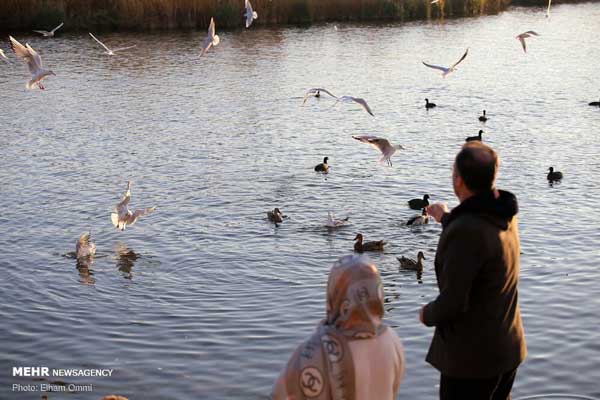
<point>123,216</point>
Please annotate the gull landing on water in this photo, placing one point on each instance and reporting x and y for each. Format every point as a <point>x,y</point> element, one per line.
<point>49,34</point>
<point>446,71</point>
<point>250,14</point>
<point>84,247</point>
<point>211,39</point>
<point>524,36</point>
<point>383,145</point>
<point>110,52</point>
<point>123,216</point>
<point>34,62</point>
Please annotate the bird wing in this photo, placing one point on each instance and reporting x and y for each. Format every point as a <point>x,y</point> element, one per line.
<point>58,27</point>
<point>206,43</point>
<point>84,239</point>
<point>143,211</point>
<point>3,55</point>
<point>548,10</point>
<point>211,29</point>
<point>533,33</point>
<point>364,138</point>
<point>35,56</point>
<point>101,44</point>
<point>462,58</point>
<point>45,33</point>
<point>123,48</point>
<point>364,104</point>
<point>443,69</point>
<point>522,40</point>
<point>381,144</point>
<point>315,90</point>
<point>33,60</point>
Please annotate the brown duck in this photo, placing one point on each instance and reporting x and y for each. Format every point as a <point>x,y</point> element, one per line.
<point>359,246</point>
<point>409,263</point>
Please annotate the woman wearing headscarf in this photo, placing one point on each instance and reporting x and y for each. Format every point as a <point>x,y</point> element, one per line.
<point>352,355</point>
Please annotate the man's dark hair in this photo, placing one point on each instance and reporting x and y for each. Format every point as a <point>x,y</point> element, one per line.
<point>477,165</point>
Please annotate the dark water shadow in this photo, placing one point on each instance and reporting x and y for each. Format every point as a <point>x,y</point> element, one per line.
<point>126,259</point>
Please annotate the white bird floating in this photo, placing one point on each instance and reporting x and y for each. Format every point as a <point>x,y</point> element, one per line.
<point>34,62</point>
<point>524,36</point>
<point>110,52</point>
<point>333,222</point>
<point>211,39</point>
<point>84,247</point>
<point>49,34</point>
<point>123,216</point>
<point>447,70</point>
<point>250,14</point>
<point>383,145</point>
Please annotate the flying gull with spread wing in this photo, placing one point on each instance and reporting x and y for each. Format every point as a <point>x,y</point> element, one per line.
<point>49,34</point>
<point>524,36</point>
<point>386,149</point>
<point>211,39</point>
<point>123,216</point>
<point>34,62</point>
<point>447,70</point>
<point>250,14</point>
<point>109,51</point>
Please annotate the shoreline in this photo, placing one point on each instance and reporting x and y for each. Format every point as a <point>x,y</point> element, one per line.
<point>184,15</point>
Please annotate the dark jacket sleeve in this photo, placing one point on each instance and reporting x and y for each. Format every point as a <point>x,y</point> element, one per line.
<point>461,263</point>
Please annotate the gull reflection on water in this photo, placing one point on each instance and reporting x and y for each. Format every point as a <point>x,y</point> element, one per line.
<point>125,259</point>
<point>86,273</point>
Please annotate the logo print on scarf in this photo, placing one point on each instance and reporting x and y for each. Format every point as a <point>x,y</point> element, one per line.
<point>332,348</point>
<point>311,382</point>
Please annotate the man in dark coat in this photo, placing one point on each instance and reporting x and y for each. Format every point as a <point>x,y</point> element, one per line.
<point>479,341</point>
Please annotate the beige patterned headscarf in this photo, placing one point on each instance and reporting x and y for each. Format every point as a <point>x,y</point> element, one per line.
<point>322,368</point>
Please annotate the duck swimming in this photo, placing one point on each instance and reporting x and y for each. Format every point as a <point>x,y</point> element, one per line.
<point>483,118</point>
<point>472,138</point>
<point>409,263</point>
<point>418,204</point>
<point>323,167</point>
<point>359,246</point>
<point>276,216</point>
<point>84,247</point>
<point>429,105</point>
<point>419,219</point>
<point>554,175</point>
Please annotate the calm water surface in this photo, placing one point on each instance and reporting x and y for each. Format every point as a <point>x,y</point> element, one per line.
<point>205,299</point>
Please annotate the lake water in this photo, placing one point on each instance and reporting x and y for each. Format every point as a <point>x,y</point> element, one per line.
<point>205,299</point>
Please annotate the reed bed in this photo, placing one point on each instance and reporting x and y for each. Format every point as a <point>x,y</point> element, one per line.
<point>195,14</point>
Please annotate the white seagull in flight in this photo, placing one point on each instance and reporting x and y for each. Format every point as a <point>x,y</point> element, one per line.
<point>523,36</point>
<point>110,52</point>
<point>123,216</point>
<point>250,15</point>
<point>211,39</point>
<point>49,34</point>
<point>34,62</point>
<point>383,145</point>
<point>446,71</point>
